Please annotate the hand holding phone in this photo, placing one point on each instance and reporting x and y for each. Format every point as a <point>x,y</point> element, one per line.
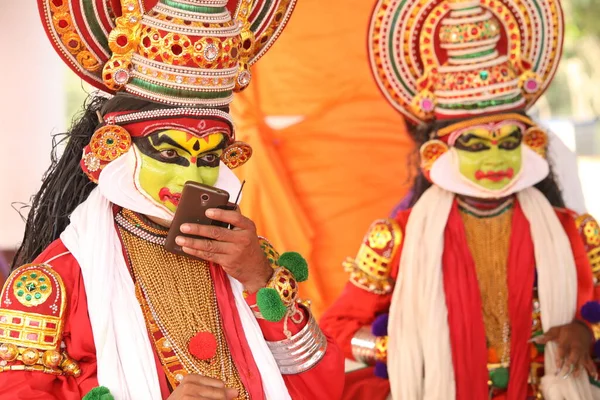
<point>196,198</point>
<point>237,250</point>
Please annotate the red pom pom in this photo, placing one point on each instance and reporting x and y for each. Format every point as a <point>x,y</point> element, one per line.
<point>203,346</point>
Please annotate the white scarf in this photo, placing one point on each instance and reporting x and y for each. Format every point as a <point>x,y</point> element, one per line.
<point>419,340</point>
<point>125,357</point>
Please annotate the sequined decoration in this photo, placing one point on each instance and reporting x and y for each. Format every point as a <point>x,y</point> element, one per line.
<point>236,155</point>
<point>110,142</point>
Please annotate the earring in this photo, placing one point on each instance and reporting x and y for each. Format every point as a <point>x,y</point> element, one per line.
<point>107,144</point>
<point>430,151</point>
<point>537,140</point>
<point>236,154</point>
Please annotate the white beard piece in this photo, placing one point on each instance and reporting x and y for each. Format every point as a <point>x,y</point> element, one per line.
<point>446,174</point>
<point>119,183</point>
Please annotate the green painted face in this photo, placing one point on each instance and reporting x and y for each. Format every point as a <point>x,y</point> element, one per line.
<point>170,158</point>
<point>490,158</point>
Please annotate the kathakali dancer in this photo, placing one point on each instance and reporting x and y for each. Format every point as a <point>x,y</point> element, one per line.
<point>485,287</point>
<point>100,309</point>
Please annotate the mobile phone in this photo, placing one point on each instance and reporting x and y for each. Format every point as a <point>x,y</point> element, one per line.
<point>196,198</point>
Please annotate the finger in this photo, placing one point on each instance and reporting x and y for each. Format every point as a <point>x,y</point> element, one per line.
<point>231,217</point>
<point>205,255</point>
<point>212,232</point>
<point>590,367</point>
<point>231,394</point>
<point>203,380</point>
<point>561,353</point>
<point>206,245</point>
<point>570,371</point>
<point>574,360</point>
<point>212,393</point>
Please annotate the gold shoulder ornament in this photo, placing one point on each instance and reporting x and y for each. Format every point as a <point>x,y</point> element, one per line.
<point>32,314</point>
<point>590,233</point>
<point>371,268</point>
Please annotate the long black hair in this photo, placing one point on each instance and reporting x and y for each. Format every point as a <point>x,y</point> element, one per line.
<point>422,133</point>
<point>64,185</point>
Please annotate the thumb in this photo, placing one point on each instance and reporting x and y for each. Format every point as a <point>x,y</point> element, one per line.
<point>231,393</point>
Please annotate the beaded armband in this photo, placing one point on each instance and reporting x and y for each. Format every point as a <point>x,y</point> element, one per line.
<point>279,297</point>
<point>370,270</point>
<point>590,232</point>
<point>32,313</point>
<point>300,352</point>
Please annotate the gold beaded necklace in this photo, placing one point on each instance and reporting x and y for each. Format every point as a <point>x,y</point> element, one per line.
<point>180,295</point>
<point>488,238</point>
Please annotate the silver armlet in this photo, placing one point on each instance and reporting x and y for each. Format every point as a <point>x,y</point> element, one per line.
<point>363,346</point>
<point>302,351</point>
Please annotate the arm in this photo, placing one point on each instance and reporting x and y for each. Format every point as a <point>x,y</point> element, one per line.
<point>368,293</point>
<point>56,354</point>
<point>311,363</point>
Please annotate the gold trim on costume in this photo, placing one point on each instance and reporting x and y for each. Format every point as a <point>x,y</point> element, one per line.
<point>31,340</point>
<point>371,268</point>
<point>590,233</point>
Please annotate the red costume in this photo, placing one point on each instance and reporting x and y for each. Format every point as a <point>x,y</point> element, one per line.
<point>105,310</point>
<point>358,307</point>
<point>454,297</point>
<point>317,383</point>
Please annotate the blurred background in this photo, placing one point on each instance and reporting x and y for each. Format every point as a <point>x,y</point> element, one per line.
<point>330,154</point>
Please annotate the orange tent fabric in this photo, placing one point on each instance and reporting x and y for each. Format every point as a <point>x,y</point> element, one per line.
<point>315,187</point>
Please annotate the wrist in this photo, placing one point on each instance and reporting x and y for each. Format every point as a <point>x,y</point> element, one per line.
<point>260,279</point>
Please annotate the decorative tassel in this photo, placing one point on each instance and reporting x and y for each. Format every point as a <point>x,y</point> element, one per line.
<point>99,393</point>
<point>380,325</point>
<point>591,312</point>
<point>203,346</point>
<point>381,370</point>
<point>296,264</point>
<point>270,304</point>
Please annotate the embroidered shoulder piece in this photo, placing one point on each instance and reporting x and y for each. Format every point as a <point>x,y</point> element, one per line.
<point>590,232</point>
<point>32,313</point>
<point>370,270</point>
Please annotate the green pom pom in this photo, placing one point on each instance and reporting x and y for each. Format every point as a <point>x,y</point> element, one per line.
<point>99,393</point>
<point>270,305</point>
<point>499,378</point>
<point>296,264</point>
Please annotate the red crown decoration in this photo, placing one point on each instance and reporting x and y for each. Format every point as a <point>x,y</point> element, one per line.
<point>453,59</point>
<point>187,53</point>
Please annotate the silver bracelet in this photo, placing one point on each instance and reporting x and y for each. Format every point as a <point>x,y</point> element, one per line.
<point>363,346</point>
<point>302,351</point>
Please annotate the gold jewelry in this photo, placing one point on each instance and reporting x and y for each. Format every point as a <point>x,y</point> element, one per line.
<point>286,286</point>
<point>236,154</point>
<point>179,301</point>
<point>489,240</point>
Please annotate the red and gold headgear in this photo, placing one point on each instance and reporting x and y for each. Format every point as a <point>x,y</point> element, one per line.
<point>476,61</point>
<point>452,59</point>
<point>188,54</point>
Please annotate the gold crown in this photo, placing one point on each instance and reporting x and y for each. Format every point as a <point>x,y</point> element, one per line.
<point>189,53</point>
<point>454,59</point>
<point>184,53</point>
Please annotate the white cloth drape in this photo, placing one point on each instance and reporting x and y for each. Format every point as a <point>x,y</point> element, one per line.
<point>419,341</point>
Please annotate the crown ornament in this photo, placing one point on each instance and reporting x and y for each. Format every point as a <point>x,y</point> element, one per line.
<point>184,53</point>
<point>453,59</point>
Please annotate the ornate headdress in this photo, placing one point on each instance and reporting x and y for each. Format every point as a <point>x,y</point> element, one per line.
<point>452,59</point>
<point>188,54</point>
<point>477,62</point>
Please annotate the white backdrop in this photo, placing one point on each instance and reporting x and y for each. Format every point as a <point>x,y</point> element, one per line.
<point>31,108</point>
